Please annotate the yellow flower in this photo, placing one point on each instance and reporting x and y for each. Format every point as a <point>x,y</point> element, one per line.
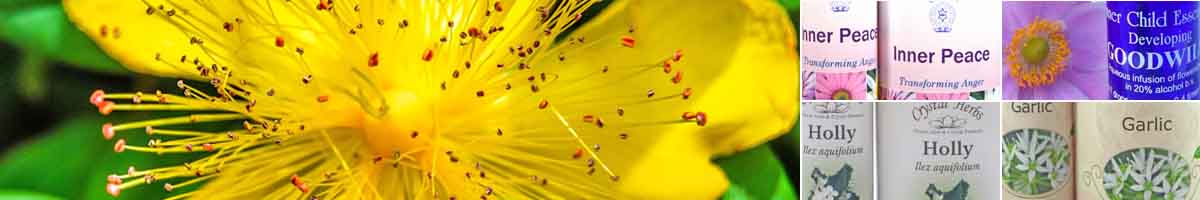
<point>437,99</point>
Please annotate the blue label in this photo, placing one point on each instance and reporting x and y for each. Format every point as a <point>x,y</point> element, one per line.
<point>1152,50</point>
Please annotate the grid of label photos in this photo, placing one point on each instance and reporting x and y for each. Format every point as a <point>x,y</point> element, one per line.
<point>1014,100</point>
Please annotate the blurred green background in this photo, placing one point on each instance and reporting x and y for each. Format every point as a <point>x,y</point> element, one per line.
<point>50,143</point>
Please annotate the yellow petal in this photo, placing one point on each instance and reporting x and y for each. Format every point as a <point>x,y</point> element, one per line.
<point>743,55</point>
<point>127,33</point>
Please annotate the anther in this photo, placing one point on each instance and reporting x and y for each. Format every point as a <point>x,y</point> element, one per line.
<point>678,77</point>
<point>119,146</point>
<point>479,93</point>
<point>114,179</point>
<point>649,93</point>
<point>113,189</point>
<point>687,92</point>
<point>688,116</point>
<point>323,5</point>
<point>168,187</point>
<point>103,30</point>
<point>97,98</point>
<point>499,132</point>
<point>678,54</point>
<point>299,184</point>
<point>414,134</point>
<point>149,130</point>
<point>474,32</point>
<point>543,104</point>
<point>667,67</point>
<point>107,107</point>
<point>278,41</point>
<point>701,118</point>
<point>373,60</point>
<point>627,41</point>
<point>428,55</point>
<point>578,153</point>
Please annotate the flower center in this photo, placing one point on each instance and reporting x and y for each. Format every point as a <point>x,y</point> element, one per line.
<point>403,133</point>
<point>1038,53</point>
<point>1035,50</point>
<point>841,94</point>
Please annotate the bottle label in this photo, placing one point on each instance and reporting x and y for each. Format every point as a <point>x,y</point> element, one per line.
<point>838,36</point>
<point>1152,50</point>
<point>1038,151</point>
<point>1124,145</point>
<point>838,156</point>
<point>940,150</point>
<point>838,55</point>
<point>940,46</point>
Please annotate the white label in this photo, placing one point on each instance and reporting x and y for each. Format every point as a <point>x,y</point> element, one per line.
<point>838,156</point>
<point>939,150</point>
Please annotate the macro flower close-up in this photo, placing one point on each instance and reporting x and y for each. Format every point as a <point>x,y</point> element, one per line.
<point>1055,50</point>
<point>545,99</point>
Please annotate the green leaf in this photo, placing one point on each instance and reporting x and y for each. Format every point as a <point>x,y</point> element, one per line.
<point>790,5</point>
<point>25,195</point>
<point>57,163</point>
<point>72,161</point>
<point>44,29</point>
<point>756,174</point>
<point>31,78</point>
<point>1196,154</point>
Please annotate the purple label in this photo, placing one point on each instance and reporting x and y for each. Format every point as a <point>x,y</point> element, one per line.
<point>1152,50</point>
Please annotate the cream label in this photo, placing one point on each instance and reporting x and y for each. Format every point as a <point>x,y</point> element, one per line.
<point>1137,150</point>
<point>939,150</point>
<point>1038,152</point>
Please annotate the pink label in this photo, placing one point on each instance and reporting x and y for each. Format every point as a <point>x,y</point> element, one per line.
<point>838,36</point>
<point>940,46</point>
